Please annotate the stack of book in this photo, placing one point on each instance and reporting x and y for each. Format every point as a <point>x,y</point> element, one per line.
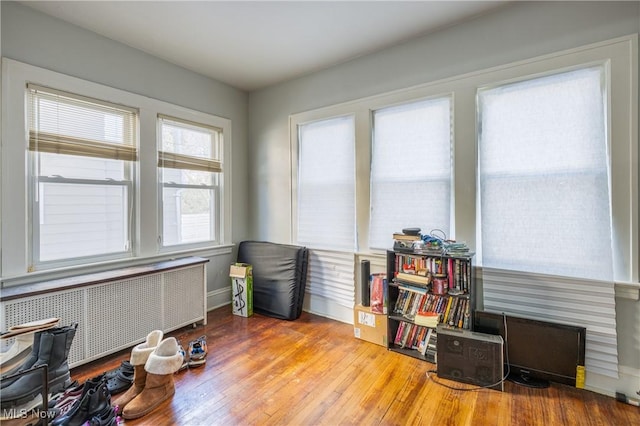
<point>427,319</point>
<point>453,248</point>
<point>405,242</point>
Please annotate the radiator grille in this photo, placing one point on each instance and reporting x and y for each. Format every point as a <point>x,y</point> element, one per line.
<point>183,295</point>
<point>67,305</point>
<point>119,314</point>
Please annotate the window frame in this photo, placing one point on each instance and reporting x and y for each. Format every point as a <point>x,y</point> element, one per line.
<point>35,179</point>
<point>603,71</point>
<point>215,188</point>
<point>450,226</point>
<point>299,127</point>
<point>619,55</point>
<point>15,210</point>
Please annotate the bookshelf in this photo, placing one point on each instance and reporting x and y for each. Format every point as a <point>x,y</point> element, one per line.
<point>426,289</point>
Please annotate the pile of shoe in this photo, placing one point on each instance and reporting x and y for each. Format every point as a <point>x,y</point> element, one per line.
<point>120,379</point>
<point>50,348</point>
<point>196,355</point>
<point>87,404</point>
<point>154,363</point>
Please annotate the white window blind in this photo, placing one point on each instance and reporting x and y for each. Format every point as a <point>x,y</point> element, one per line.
<point>82,151</point>
<point>190,159</point>
<point>326,208</point>
<point>411,169</point>
<point>326,185</point>
<point>544,178</point>
<point>545,215</point>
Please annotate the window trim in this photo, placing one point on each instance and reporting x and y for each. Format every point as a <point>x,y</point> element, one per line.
<point>620,54</point>
<point>179,161</point>
<point>15,233</point>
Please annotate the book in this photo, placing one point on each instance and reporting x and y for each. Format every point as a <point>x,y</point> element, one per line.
<point>413,278</point>
<point>405,237</point>
<point>422,348</point>
<point>427,319</point>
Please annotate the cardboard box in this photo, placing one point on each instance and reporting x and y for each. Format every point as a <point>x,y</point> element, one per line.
<point>241,289</point>
<point>370,326</point>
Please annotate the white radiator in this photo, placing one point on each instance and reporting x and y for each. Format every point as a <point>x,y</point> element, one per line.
<point>117,314</point>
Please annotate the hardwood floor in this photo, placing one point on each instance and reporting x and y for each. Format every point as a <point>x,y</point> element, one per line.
<point>312,371</point>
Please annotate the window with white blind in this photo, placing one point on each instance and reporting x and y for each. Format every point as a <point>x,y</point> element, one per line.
<point>545,205</point>
<point>190,161</point>
<point>544,176</point>
<point>326,185</point>
<point>82,157</point>
<point>411,169</point>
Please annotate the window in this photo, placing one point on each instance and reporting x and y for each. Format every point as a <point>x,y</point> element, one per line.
<point>411,170</point>
<point>190,163</point>
<point>326,184</point>
<point>544,176</point>
<point>83,152</point>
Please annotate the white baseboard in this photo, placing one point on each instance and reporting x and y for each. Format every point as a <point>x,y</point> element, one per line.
<point>218,298</point>
<point>628,382</point>
<point>327,308</point>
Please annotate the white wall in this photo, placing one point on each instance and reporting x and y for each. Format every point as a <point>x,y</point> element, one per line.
<point>34,38</point>
<point>515,32</point>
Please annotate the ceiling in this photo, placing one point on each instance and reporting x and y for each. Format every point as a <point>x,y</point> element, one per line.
<point>253,44</point>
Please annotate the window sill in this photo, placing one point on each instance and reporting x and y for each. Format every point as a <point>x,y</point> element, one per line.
<point>64,273</point>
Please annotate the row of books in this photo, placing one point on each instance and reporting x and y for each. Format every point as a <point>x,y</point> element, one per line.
<point>428,309</point>
<point>411,301</point>
<point>420,269</point>
<point>420,338</point>
<point>459,313</point>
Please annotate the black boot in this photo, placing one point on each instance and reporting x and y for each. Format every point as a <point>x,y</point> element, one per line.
<point>105,418</point>
<point>95,402</point>
<point>67,404</point>
<point>53,351</point>
<point>27,363</point>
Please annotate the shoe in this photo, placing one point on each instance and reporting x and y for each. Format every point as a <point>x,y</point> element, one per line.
<point>105,418</point>
<point>53,350</point>
<point>197,352</point>
<point>30,327</point>
<point>124,367</point>
<point>120,382</point>
<point>159,386</point>
<point>120,379</point>
<point>185,360</point>
<point>17,354</point>
<point>139,356</point>
<point>26,364</point>
<point>67,397</point>
<point>94,401</point>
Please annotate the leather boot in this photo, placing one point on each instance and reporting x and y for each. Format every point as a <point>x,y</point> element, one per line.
<point>159,387</point>
<point>96,401</point>
<point>105,418</point>
<point>53,351</point>
<point>139,356</point>
<point>69,402</point>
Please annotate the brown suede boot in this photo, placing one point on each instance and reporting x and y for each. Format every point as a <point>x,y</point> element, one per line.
<point>139,356</point>
<point>159,387</point>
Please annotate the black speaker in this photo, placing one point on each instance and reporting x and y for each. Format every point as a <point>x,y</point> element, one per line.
<point>469,357</point>
<point>365,276</point>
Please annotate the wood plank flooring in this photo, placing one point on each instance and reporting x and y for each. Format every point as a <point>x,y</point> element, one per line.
<point>312,371</point>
